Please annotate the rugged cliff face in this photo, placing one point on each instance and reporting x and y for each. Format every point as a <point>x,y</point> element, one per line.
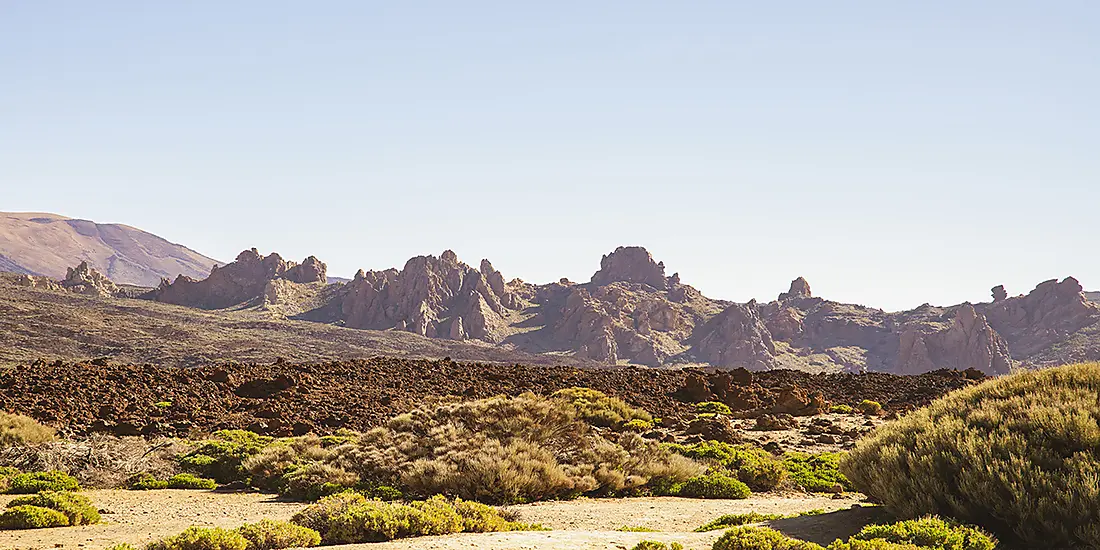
<point>632,313</point>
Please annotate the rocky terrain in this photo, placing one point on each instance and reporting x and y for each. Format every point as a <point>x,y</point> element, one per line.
<point>295,398</point>
<point>631,312</point>
<point>48,245</point>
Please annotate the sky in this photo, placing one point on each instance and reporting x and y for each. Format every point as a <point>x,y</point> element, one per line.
<point>893,153</point>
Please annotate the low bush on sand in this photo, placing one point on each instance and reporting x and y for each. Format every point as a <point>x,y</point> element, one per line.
<point>712,485</point>
<point>656,545</point>
<point>34,482</point>
<point>16,429</point>
<point>201,538</point>
<point>32,517</point>
<point>350,518</point>
<point>817,473</point>
<point>190,481</point>
<point>222,457</point>
<point>599,409</point>
<point>735,520</point>
<point>712,407</point>
<point>77,509</point>
<point>1017,455</point>
<point>760,538</point>
<point>277,535</point>
<point>752,465</point>
<point>145,482</point>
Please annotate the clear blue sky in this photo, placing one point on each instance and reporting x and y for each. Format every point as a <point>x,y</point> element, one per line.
<point>891,152</point>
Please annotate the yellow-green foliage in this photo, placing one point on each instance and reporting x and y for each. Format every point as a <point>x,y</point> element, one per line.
<point>712,407</point>
<point>842,409</point>
<point>760,538</point>
<point>316,480</point>
<point>655,545</point>
<point>868,407</point>
<point>222,457</point>
<point>123,546</point>
<point>817,472</point>
<point>198,538</point>
<point>752,465</point>
<point>349,518</point>
<point>506,450</point>
<point>34,482</point>
<point>6,473</point>
<point>16,429</point>
<point>635,529</point>
<point>734,520</point>
<point>77,508</point>
<point>190,481</point>
<point>927,533</point>
<point>598,409</point>
<point>1018,455</point>
<point>32,517</point>
<point>277,535</point>
<point>713,485</point>
<point>637,425</point>
<point>145,482</point>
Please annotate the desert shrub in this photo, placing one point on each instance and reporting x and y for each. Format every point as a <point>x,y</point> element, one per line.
<point>752,465</point>
<point>317,480</point>
<point>714,485</point>
<point>841,409</point>
<point>598,409</point>
<point>145,482</point>
<point>760,538</point>
<point>637,425</point>
<point>818,473</point>
<point>870,408</point>
<point>1018,456</point>
<point>712,407</point>
<point>190,481</point>
<point>6,473</point>
<point>735,520</point>
<point>655,545</point>
<point>16,429</point>
<point>77,509</point>
<point>928,533</point>
<point>277,535</point>
<point>507,450</point>
<point>32,517</point>
<point>341,437</point>
<point>349,518</point>
<point>635,529</point>
<point>199,538</point>
<point>34,482</point>
<point>123,546</point>
<point>222,457</point>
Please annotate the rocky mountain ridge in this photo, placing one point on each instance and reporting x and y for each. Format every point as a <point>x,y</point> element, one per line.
<point>630,312</point>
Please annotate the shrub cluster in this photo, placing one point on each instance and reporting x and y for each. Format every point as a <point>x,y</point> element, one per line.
<point>1018,455</point>
<point>222,457</point>
<point>735,520</point>
<point>760,538</point>
<point>350,518</point>
<point>818,473</point>
<point>712,485</point>
<point>762,471</point>
<point>655,545</point>
<point>712,407</point>
<point>599,409</point>
<point>16,429</point>
<point>265,535</point>
<point>924,534</point>
<point>48,509</point>
<point>33,482</point>
<point>869,408</point>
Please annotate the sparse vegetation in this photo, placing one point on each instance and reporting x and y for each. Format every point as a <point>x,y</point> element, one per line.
<point>869,408</point>
<point>712,407</point>
<point>77,509</point>
<point>760,538</point>
<point>714,485</point>
<point>655,545</point>
<point>32,517</point>
<point>932,533</point>
<point>635,529</point>
<point>752,465</point>
<point>818,473</point>
<point>277,535</point>
<point>190,481</point>
<point>735,520</point>
<point>350,518</point>
<point>223,456</point>
<point>842,409</point>
<point>16,429</point>
<point>1016,455</point>
<point>145,482</point>
<point>34,482</point>
<point>199,538</point>
<point>599,409</point>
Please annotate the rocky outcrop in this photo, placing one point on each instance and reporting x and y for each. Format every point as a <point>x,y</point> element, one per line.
<point>241,281</point>
<point>968,343</point>
<point>999,293</point>
<point>633,264</point>
<point>434,297</point>
<point>82,279</point>
<point>36,281</point>
<point>1046,315</point>
<point>737,337</point>
<point>800,288</point>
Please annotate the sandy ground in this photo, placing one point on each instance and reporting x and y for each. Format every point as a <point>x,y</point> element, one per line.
<point>138,517</point>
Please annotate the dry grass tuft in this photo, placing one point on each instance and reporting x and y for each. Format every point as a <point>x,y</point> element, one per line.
<point>101,461</point>
<point>17,430</point>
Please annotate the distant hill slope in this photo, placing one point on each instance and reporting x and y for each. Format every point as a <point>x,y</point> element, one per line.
<point>48,244</point>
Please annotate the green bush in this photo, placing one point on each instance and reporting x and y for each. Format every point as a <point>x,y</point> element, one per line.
<point>654,545</point>
<point>6,473</point>
<point>870,408</point>
<point>32,517</point>
<point>222,457</point>
<point>277,535</point>
<point>712,407</point>
<point>16,429</point>
<point>349,518</point>
<point>637,425</point>
<point>199,538</point>
<point>145,482</point>
<point>123,546</point>
<point>817,473</point>
<point>317,480</point>
<point>635,529</point>
<point>77,508</point>
<point>752,465</point>
<point>714,485</point>
<point>1018,456</point>
<point>735,520</point>
<point>760,538</point>
<point>598,409</point>
<point>842,409</point>
<point>34,482</point>
<point>190,481</point>
<point>925,534</point>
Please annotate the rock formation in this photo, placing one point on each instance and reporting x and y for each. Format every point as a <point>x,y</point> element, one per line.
<point>800,288</point>
<point>238,282</point>
<point>632,264</point>
<point>969,342</point>
<point>737,337</point>
<point>1046,315</point>
<point>83,279</point>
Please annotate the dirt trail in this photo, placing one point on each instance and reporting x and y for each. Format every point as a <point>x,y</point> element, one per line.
<point>138,517</point>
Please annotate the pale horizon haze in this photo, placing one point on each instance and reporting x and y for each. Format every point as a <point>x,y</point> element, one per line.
<point>891,153</point>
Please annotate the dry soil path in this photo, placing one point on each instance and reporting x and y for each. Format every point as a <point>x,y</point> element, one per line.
<point>137,517</point>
